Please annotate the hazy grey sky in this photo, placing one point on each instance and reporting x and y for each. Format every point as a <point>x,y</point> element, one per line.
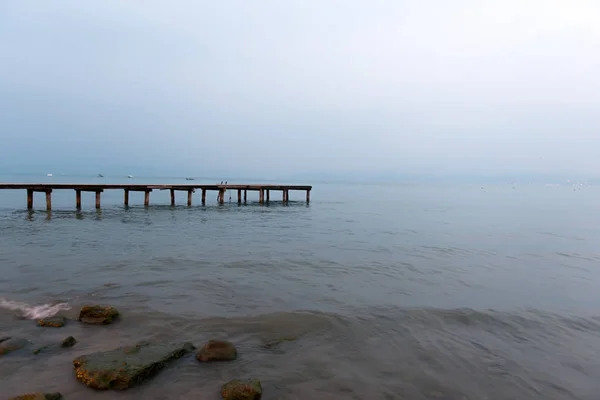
<point>287,87</point>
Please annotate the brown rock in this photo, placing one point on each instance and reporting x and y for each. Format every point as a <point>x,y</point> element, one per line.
<point>236,390</point>
<point>54,322</point>
<point>98,315</point>
<point>68,342</point>
<point>217,350</point>
<point>38,396</point>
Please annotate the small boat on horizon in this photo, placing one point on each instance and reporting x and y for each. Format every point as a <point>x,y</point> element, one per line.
<point>130,176</point>
<point>189,179</point>
<point>48,175</point>
<point>100,176</point>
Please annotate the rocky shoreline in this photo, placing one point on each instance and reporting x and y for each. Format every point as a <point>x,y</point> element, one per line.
<point>126,367</point>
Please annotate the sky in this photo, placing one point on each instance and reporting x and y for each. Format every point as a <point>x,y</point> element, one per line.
<point>301,88</point>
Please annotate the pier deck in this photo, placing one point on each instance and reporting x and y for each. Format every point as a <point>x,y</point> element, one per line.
<point>47,188</point>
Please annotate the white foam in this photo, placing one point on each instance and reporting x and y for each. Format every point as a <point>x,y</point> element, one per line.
<point>33,312</point>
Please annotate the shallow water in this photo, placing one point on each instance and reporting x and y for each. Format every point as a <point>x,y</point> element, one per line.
<point>389,292</point>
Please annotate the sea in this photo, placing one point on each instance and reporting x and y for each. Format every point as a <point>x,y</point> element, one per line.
<point>372,291</point>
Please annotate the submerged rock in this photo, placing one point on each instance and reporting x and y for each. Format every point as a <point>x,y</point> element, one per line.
<point>274,343</point>
<point>98,315</point>
<point>55,347</point>
<point>40,349</point>
<point>217,350</point>
<point>68,342</point>
<point>54,322</point>
<point>236,390</point>
<point>125,367</point>
<point>9,345</point>
<point>38,396</point>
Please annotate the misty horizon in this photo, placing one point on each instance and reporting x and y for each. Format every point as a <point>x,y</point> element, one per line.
<point>271,89</point>
<point>307,178</point>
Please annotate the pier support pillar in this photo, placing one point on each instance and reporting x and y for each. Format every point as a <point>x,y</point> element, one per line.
<point>190,197</point>
<point>268,195</point>
<point>239,196</point>
<point>29,199</point>
<point>98,193</point>
<point>78,199</point>
<point>126,198</point>
<point>49,199</point>
<point>147,198</point>
<point>286,195</point>
<point>203,196</point>
<point>245,196</point>
<point>261,196</point>
<point>308,196</point>
<point>221,196</point>
<point>172,197</point>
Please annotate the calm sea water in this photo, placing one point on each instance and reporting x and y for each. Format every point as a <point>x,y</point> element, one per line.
<point>390,291</point>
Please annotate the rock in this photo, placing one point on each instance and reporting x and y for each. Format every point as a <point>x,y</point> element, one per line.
<point>273,343</point>
<point>68,342</point>
<point>54,347</point>
<point>98,315</point>
<point>217,350</point>
<point>10,345</point>
<point>38,396</point>
<point>236,390</point>
<point>41,349</point>
<point>125,367</point>
<point>54,322</point>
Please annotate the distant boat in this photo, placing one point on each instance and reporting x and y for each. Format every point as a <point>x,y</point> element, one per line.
<point>100,176</point>
<point>189,179</point>
<point>48,174</point>
<point>130,176</point>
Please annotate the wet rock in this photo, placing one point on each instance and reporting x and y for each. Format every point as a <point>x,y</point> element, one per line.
<point>10,345</point>
<point>125,367</point>
<point>217,350</point>
<point>38,396</point>
<point>68,342</point>
<point>236,390</point>
<point>98,315</point>
<point>54,322</point>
